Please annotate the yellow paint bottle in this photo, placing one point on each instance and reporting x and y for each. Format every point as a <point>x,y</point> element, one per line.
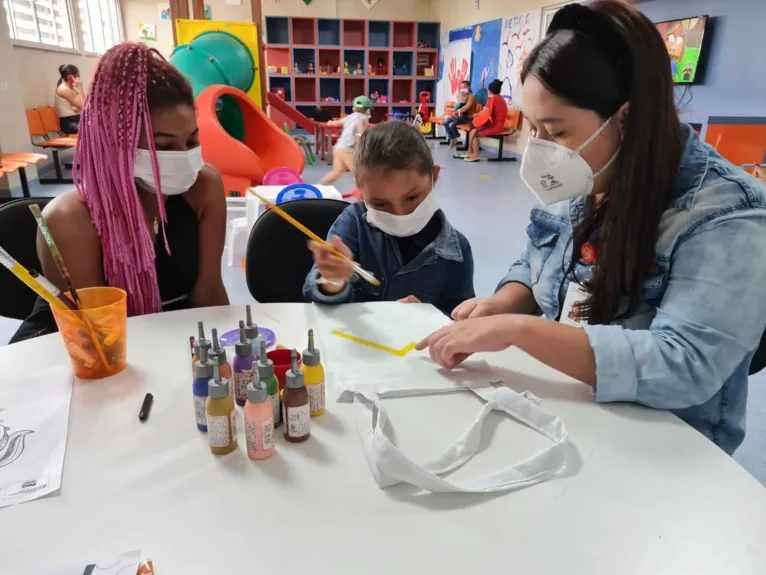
<point>313,374</point>
<point>221,416</point>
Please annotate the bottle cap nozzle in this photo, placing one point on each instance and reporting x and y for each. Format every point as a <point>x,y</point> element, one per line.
<point>243,347</point>
<point>204,367</point>
<point>201,341</point>
<point>251,329</point>
<point>257,392</point>
<point>294,377</point>
<point>265,365</point>
<point>311,354</point>
<point>217,351</point>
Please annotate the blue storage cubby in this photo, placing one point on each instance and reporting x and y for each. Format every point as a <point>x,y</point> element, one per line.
<point>328,32</point>
<point>285,84</point>
<point>428,35</point>
<point>302,57</point>
<point>354,58</point>
<point>425,86</point>
<point>277,30</point>
<point>329,88</point>
<point>378,34</point>
<point>381,86</point>
<point>403,63</point>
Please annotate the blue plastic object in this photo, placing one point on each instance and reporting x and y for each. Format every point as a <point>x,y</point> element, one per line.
<point>298,192</point>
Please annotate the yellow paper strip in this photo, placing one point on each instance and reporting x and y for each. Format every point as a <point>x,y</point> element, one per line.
<point>398,352</point>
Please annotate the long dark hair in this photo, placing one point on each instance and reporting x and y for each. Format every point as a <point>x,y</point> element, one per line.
<point>598,57</point>
<point>66,70</point>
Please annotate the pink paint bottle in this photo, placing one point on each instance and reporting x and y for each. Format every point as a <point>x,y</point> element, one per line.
<point>259,422</point>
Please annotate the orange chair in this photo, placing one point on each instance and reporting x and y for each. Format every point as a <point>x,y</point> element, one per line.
<point>512,125</point>
<point>12,162</point>
<point>41,138</point>
<point>52,124</point>
<point>466,128</point>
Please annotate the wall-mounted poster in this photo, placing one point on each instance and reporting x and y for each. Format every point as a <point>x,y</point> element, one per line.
<point>485,53</point>
<point>208,12</point>
<point>520,34</point>
<point>147,32</point>
<point>457,67</point>
<point>164,11</point>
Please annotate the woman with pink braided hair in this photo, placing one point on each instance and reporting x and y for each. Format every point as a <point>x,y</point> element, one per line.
<point>148,215</point>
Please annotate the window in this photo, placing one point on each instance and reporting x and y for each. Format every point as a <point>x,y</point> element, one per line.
<point>46,22</point>
<point>101,24</point>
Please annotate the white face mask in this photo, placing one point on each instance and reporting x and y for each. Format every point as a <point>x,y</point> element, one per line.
<point>464,91</point>
<point>555,173</point>
<point>178,170</point>
<point>403,226</point>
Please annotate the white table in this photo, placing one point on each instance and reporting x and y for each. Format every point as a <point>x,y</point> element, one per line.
<point>644,493</point>
<point>255,206</point>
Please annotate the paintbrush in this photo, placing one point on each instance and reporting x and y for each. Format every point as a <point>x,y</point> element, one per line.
<point>364,274</point>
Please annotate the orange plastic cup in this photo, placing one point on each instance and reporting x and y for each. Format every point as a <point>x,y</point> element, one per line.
<point>95,336</point>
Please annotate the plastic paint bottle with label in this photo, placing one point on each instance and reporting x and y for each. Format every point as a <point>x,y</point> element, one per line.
<point>243,366</point>
<point>203,371</point>
<point>313,373</point>
<point>200,343</point>
<point>295,404</point>
<point>259,422</point>
<point>221,417</point>
<point>251,331</point>
<point>267,377</point>
<point>218,352</point>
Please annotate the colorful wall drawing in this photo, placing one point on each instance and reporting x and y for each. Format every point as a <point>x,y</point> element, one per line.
<point>519,36</point>
<point>457,67</point>
<point>443,44</point>
<point>485,50</point>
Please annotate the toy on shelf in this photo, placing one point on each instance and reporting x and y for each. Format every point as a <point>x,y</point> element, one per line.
<point>358,71</point>
<point>330,99</point>
<point>311,68</point>
<point>381,68</point>
<point>285,70</point>
<point>429,72</point>
<point>369,70</point>
<point>272,69</point>
<point>337,69</point>
<point>383,99</point>
<point>345,68</point>
<point>374,97</point>
<point>423,45</point>
<point>296,68</point>
<point>404,69</point>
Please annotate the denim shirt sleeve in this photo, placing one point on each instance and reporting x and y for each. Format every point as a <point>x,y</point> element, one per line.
<point>709,322</point>
<point>519,271</point>
<point>462,288</point>
<point>346,227</point>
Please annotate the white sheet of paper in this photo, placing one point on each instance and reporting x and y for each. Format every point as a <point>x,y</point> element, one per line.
<point>34,421</point>
<point>123,564</point>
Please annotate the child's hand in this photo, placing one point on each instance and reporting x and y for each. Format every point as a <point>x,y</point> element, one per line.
<point>332,267</point>
<point>474,307</point>
<point>409,299</point>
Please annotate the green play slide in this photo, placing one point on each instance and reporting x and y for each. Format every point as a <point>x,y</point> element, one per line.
<point>218,58</point>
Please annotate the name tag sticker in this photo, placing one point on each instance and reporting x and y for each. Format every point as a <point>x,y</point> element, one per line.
<point>575,295</point>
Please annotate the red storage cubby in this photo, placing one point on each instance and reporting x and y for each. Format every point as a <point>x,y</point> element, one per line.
<point>354,34</point>
<point>279,58</point>
<point>374,56</point>
<point>401,91</point>
<point>353,87</point>
<point>329,57</point>
<point>304,31</point>
<point>425,59</point>
<point>305,90</point>
<point>404,34</point>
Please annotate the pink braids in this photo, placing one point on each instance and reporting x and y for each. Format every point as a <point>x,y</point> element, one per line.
<point>115,113</point>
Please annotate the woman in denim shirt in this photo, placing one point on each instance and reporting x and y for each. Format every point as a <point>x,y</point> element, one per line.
<point>646,259</point>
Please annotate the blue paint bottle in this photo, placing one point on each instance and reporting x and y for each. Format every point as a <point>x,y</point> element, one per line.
<point>251,331</point>
<point>203,372</point>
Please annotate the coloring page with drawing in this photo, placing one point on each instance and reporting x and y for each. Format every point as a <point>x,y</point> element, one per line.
<point>34,420</point>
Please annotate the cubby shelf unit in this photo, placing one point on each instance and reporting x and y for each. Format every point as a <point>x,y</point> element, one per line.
<point>396,59</point>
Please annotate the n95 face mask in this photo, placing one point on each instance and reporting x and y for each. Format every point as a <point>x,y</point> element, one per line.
<point>403,226</point>
<point>555,173</point>
<point>178,170</point>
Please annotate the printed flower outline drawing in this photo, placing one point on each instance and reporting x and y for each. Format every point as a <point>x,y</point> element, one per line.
<point>11,444</point>
<point>455,76</point>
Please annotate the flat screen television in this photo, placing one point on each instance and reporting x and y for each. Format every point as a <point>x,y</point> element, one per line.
<point>683,39</point>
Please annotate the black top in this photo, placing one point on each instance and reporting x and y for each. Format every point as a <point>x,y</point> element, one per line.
<point>410,247</point>
<point>176,273</point>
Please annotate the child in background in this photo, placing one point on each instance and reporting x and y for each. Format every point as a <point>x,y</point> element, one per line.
<point>398,233</point>
<point>353,126</point>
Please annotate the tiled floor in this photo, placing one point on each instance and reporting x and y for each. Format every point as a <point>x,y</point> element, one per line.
<point>490,205</point>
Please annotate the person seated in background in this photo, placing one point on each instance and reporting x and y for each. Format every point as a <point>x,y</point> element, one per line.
<point>398,233</point>
<point>497,112</point>
<point>136,170</point>
<point>463,113</point>
<point>353,125</point>
<point>760,173</point>
<point>69,98</point>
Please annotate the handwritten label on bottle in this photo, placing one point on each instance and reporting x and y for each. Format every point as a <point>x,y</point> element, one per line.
<point>316,397</point>
<point>298,421</point>
<point>199,410</point>
<point>268,435</point>
<point>241,380</point>
<point>251,435</point>
<point>234,425</point>
<point>219,429</point>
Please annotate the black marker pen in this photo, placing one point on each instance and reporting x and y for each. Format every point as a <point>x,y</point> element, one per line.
<point>146,408</point>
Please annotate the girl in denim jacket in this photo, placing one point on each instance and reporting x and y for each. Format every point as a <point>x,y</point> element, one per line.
<point>644,274</point>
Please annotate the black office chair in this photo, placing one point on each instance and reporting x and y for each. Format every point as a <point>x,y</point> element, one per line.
<point>18,232</point>
<point>277,258</point>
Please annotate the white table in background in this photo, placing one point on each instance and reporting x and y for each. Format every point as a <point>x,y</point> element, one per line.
<point>643,492</point>
<point>255,207</point>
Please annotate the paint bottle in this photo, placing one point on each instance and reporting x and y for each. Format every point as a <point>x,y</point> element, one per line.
<point>194,352</point>
<point>267,377</point>
<point>295,403</point>
<point>203,371</point>
<point>251,331</point>
<point>218,352</point>
<point>243,366</point>
<point>221,417</point>
<point>259,422</point>
<point>201,342</point>
<point>313,373</point>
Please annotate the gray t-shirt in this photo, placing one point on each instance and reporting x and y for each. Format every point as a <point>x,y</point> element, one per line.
<point>353,126</point>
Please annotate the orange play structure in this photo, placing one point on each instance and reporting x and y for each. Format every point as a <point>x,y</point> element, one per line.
<point>245,159</point>
<point>740,143</point>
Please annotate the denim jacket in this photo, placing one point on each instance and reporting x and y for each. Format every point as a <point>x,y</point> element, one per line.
<point>442,274</point>
<point>689,345</point>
